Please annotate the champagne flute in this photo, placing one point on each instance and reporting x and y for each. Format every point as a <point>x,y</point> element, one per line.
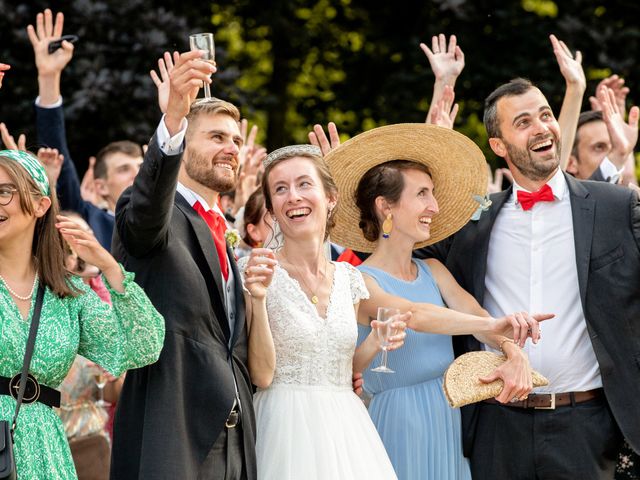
<point>100,379</point>
<point>204,42</point>
<point>386,316</point>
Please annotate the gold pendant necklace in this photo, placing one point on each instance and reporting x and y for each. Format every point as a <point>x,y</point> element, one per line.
<point>314,297</point>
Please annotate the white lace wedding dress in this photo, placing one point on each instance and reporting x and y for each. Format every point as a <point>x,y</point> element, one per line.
<point>310,423</point>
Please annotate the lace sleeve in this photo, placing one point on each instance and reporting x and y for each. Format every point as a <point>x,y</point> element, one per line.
<point>356,282</point>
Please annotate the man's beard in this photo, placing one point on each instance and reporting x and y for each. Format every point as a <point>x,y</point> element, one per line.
<point>541,170</point>
<point>201,169</point>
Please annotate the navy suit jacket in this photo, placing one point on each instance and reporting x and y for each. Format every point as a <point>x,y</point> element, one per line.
<point>52,134</point>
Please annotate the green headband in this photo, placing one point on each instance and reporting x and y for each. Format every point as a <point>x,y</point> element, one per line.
<point>33,167</point>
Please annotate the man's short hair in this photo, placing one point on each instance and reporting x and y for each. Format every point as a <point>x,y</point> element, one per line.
<point>124,146</point>
<point>517,86</point>
<point>211,106</point>
<point>584,118</point>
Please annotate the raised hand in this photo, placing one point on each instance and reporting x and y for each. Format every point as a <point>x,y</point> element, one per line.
<point>186,79</point>
<point>570,65</point>
<point>624,136</point>
<point>259,272</point>
<point>249,141</point>
<point>250,159</point>
<point>46,31</point>
<point>88,190</point>
<point>85,245</point>
<point>52,161</point>
<point>318,138</point>
<point>447,62</point>
<point>494,182</point>
<point>165,66</point>
<point>445,111</point>
<point>520,326</point>
<point>9,142</point>
<point>571,70</point>
<point>615,83</point>
<point>3,68</point>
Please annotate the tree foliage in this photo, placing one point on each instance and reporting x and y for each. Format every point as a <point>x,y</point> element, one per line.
<point>290,64</point>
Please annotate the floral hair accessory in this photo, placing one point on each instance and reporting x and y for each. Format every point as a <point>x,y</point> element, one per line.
<point>232,236</point>
<point>33,167</point>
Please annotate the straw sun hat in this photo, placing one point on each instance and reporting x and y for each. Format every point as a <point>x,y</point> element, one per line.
<point>457,165</point>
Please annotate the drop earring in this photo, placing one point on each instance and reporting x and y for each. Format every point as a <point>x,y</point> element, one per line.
<point>387,225</point>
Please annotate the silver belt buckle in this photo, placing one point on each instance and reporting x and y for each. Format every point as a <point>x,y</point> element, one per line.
<point>233,419</point>
<point>550,407</point>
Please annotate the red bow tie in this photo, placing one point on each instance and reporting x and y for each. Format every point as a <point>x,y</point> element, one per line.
<point>528,200</point>
<point>218,227</point>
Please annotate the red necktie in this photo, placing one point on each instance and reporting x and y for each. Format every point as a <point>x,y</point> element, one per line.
<point>218,227</point>
<point>528,200</point>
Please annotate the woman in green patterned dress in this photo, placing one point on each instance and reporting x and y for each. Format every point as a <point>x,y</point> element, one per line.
<point>73,320</point>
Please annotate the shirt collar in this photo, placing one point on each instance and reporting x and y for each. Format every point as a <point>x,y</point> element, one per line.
<point>192,197</point>
<point>557,183</point>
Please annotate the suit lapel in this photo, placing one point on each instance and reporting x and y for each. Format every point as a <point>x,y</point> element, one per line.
<point>582,212</point>
<point>483,235</point>
<point>212,269</point>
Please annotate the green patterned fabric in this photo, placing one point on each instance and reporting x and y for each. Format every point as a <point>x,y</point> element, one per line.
<point>128,335</point>
<point>32,165</point>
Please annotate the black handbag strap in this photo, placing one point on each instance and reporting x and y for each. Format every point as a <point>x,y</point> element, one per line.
<point>31,342</point>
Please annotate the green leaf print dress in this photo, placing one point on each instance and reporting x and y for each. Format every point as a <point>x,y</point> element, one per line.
<point>128,335</point>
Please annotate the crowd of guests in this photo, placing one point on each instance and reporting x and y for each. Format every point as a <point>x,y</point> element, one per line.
<point>239,289</point>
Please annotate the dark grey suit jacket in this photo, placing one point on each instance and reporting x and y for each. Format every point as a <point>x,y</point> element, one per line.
<point>170,413</point>
<point>606,223</point>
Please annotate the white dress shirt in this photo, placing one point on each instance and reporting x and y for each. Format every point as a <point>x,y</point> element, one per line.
<point>531,266</point>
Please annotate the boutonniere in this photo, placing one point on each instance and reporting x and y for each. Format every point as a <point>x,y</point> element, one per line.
<point>232,236</point>
<point>483,205</point>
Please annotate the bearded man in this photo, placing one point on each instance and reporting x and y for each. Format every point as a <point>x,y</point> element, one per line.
<point>555,244</point>
<point>190,414</point>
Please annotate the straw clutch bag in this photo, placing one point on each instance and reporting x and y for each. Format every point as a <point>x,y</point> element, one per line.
<point>461,385</point>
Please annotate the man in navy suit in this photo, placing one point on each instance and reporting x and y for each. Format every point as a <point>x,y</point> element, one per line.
<point>553,243</point>
<point>117,164</point>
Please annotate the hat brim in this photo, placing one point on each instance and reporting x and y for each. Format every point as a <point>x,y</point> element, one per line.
<point>458,168</point>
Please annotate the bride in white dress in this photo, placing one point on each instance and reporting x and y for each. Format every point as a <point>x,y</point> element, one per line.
<point>302,339</point>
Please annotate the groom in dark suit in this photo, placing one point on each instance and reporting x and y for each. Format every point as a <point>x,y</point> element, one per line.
<point>189,415</point>
<point>553,243</point>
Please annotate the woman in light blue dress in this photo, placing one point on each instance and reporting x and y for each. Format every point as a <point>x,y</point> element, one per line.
<point>393,202</point>
<point>418,428</point>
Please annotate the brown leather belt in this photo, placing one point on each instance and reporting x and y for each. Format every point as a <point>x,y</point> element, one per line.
<point>549,401</point>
